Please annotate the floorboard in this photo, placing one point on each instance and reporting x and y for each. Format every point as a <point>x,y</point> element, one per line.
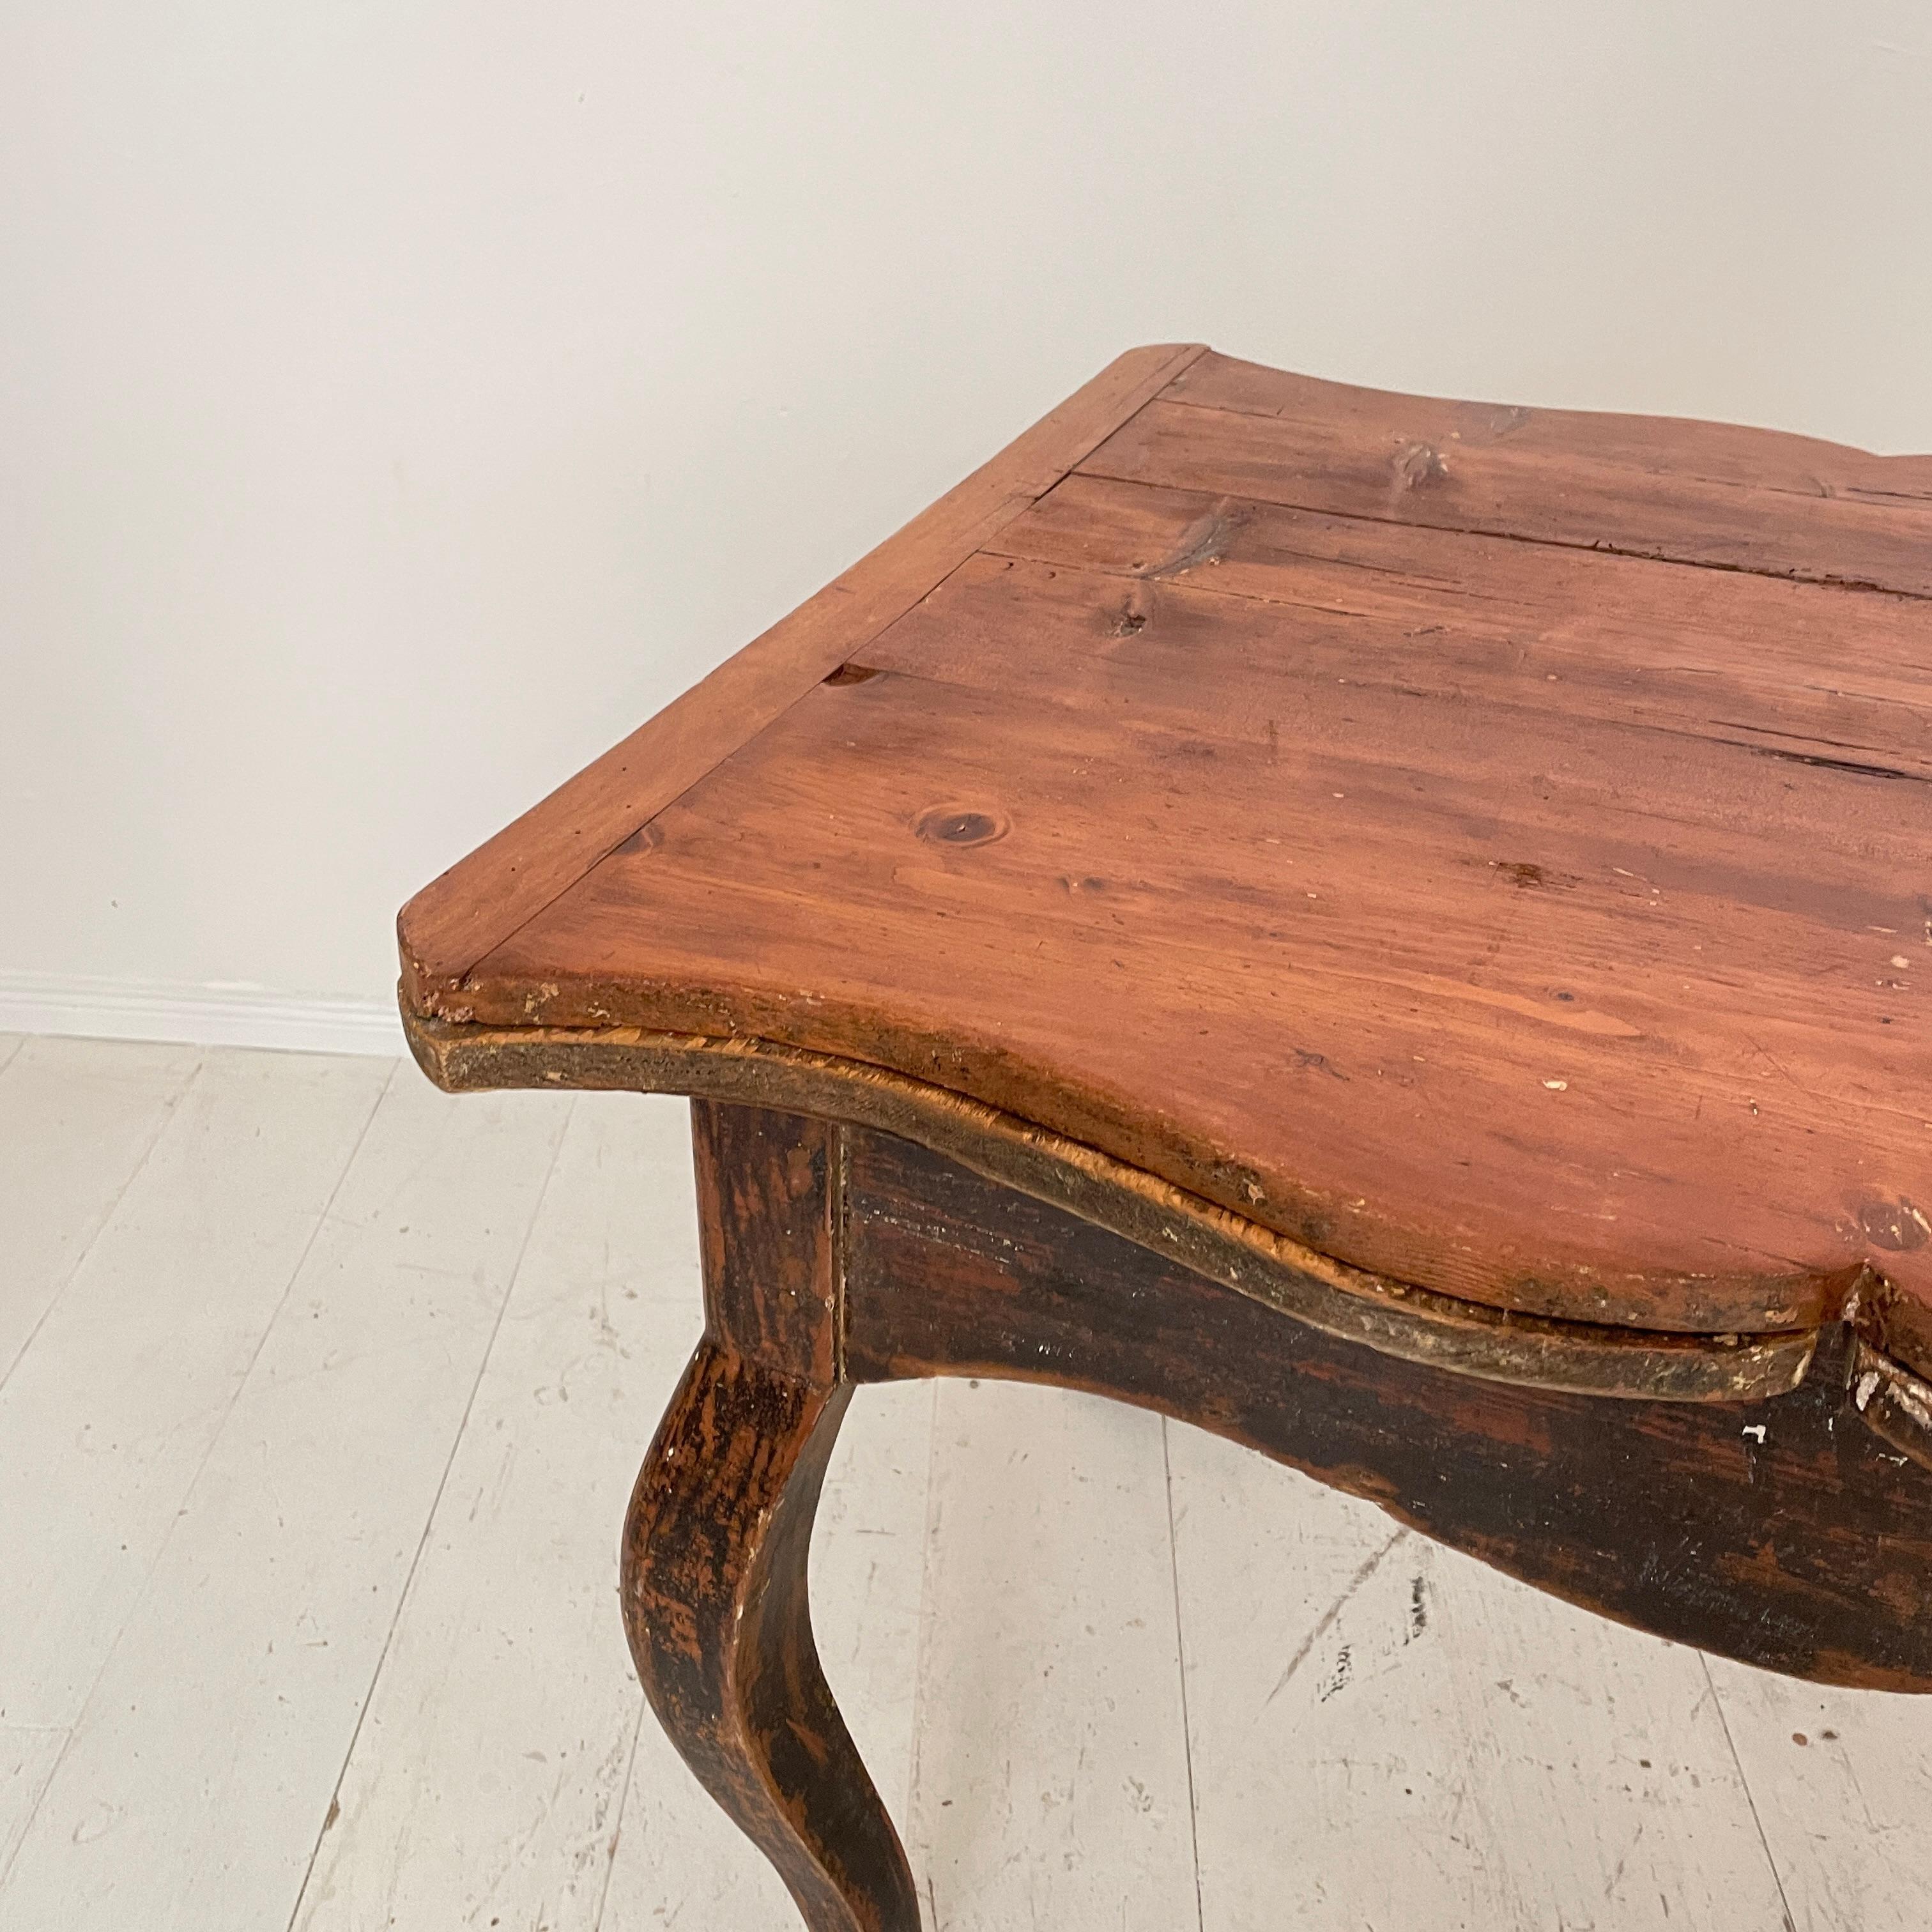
<point>77,1118</point>
<point>1051,1785</point>
<point>200,1768</point>
<point>1384,1733</point>
<point>1842,1781</point>
<point>27,1760</point>
<point>108,1413</point>
<point>457,1808</point>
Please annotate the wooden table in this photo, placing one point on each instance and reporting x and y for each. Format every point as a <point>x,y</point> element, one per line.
<point>1398,931</point>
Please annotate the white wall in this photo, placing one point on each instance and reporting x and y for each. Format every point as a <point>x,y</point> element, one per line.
<point>398,402</point>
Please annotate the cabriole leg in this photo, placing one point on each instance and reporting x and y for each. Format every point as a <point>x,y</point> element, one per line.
<point>716,1607</point>
<point>719,1530</point>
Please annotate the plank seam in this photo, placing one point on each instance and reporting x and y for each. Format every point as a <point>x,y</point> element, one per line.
<point>1750,1796</point>
<point>1817,760</point>
<point>1604,549</point>
<point>1910,499</point>
<point>1008,511</point>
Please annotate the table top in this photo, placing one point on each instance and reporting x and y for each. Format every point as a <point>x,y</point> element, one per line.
<point>1491,847</point>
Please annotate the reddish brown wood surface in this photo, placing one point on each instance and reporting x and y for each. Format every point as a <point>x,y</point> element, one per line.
<point>1697,493</point>
<point>451,923</point>
<point>1515,914</point>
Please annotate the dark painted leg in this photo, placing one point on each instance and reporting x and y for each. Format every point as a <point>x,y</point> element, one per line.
<point>714,1604</point>
<point>716,1542</point>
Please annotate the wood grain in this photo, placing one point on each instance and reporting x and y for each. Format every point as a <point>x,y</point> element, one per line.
<point>1730,453</point>
<point>1697,494</point>
<point>1601,1036</point>
<point>1442,881</point>
<point>457,919</point>
<point>1791,670</point>
<point>716,1604</point>
<point>768,1229</point>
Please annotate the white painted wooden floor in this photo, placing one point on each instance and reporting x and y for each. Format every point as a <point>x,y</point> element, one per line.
<point>320,1397</point>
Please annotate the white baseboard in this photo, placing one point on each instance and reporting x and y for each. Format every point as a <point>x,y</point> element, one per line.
<point>198,1015</point>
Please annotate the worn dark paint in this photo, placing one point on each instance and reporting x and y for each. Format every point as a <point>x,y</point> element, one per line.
<point>715,1607</point>
<point>767,1189</point>
<point>715,1598</point>
<point>1809,1553</point>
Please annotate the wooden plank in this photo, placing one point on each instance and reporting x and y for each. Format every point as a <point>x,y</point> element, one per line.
<point>1568,1020</point>
<point>1383,1734</point>
<point>455,920</point>
<point>1843,1785</point>
<point>1731,453</point>
<point>28,1756</point>
<point>1531,630</point>
<point>1499,491</point>
<point>108,1416</point>
<point>1050,1786</point>
<point>488,1777</point>
<point>202,1765</point>
<point>77,1117</point>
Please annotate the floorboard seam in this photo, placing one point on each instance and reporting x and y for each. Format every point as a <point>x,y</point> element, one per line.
<point>240,1382</point>
<point>922,1652</point>
<point>617,1823</point>
<point>1180,1660</point>
<point>1750,1796</point>
<point>167,1113</point>
<point>429,1523</point>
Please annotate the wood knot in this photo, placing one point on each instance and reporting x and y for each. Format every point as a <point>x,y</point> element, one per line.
<point>960,825</point>
<point>1418,464</point>
<point>1896,1226</point>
